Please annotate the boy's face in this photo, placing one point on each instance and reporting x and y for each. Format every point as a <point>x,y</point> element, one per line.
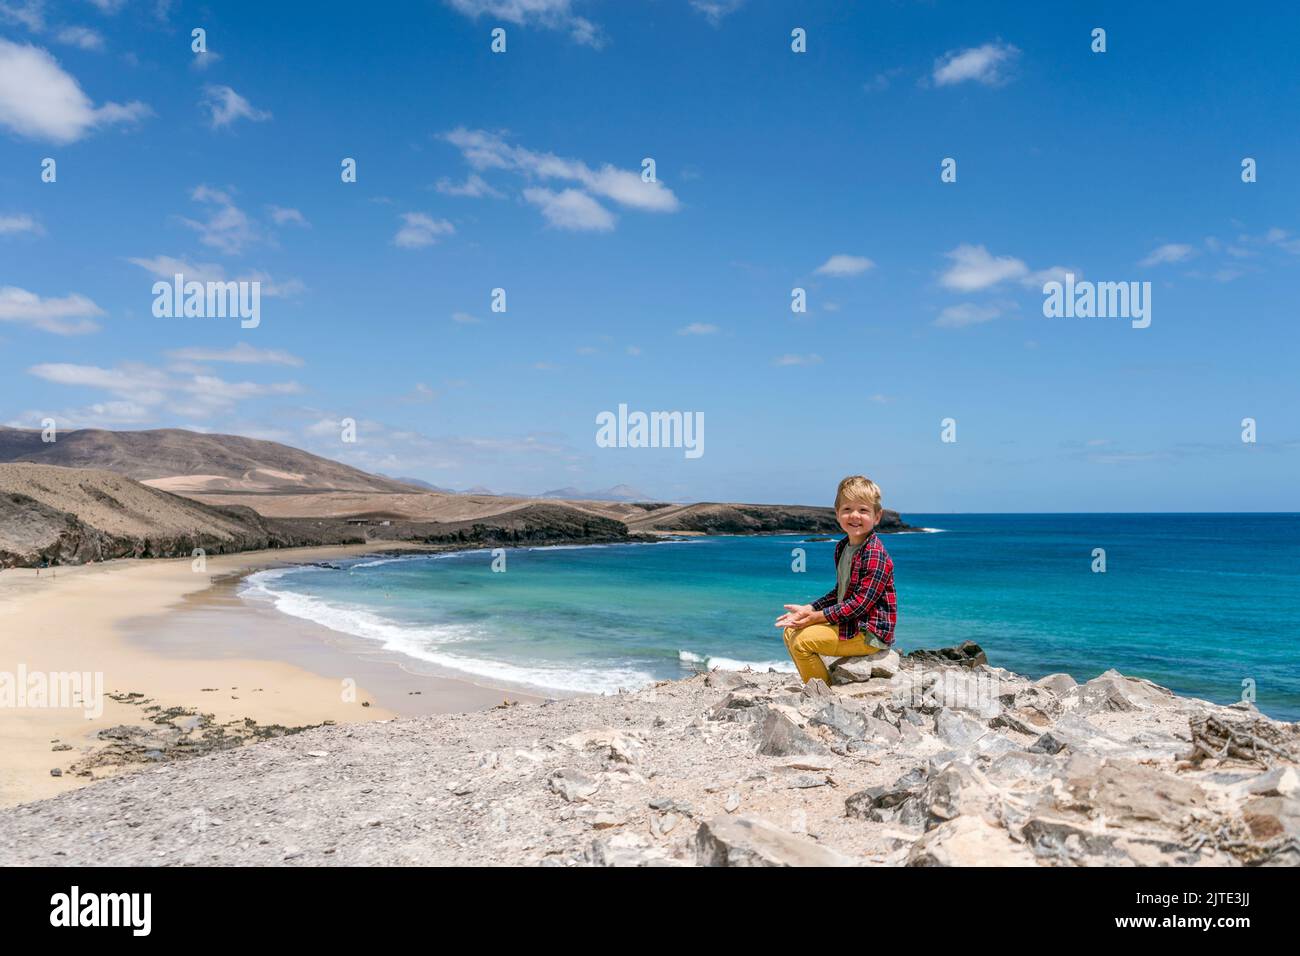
<point>857,518</point>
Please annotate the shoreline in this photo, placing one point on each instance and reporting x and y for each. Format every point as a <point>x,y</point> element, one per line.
<point>170,640</point>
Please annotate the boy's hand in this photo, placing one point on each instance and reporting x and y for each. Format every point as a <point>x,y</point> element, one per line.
<point>800,615</point>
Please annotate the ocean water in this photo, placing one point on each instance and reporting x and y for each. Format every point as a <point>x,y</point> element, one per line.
<point>1208,605</point>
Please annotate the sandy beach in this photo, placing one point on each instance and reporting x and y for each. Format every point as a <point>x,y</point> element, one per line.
<point>165,636</point>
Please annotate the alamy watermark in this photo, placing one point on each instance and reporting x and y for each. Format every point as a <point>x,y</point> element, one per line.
<point>54,690</point>
<point>651,430</point>
<point>1103,300</point>
<point>240,299</point>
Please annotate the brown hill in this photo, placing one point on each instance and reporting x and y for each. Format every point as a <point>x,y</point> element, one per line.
<point>54,515</point>
<point>59,515</point>
<point>74,500</point>
<point>184,461</point>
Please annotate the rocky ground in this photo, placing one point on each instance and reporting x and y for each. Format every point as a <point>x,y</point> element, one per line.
<point>935,759</point>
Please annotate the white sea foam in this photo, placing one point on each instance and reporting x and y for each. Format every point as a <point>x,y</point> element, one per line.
<point>395,560</point>
<point>731,664</point>
<point>429,643</point>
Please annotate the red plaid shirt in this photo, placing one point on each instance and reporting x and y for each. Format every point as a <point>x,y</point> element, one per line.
<point>869,601</point>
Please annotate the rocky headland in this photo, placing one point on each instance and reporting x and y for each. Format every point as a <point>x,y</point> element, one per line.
<point>52,515</point>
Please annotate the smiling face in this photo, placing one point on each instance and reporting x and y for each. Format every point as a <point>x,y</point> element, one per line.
<point>857,518</point>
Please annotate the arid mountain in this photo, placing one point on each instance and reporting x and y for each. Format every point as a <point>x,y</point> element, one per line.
<point>59,515</point>
<point>53,515</point>
<point>184,461</point>
<point>74,500</point>
<point>617,493</point>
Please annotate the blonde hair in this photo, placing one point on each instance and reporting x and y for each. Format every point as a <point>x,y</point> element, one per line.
<point>858,488</point>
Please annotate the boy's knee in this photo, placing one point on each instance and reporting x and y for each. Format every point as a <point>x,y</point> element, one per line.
<point>801,644</point>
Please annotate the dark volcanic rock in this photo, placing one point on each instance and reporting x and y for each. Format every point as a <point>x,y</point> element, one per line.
<point>967,654</point>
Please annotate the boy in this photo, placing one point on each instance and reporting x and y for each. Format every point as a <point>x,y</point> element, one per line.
<point>856,616</point>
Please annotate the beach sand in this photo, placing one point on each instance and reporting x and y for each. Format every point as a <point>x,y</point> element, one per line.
<point>182,638</point>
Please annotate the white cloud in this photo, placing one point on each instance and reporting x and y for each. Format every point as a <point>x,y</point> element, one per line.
<point>715,11</point>
<point>280,216</point>
<point>39,100</point>
<point>967,313</point>
<point>698,328</point>
<point>547,14</point>
<point>49,315</point>
<point>983,64</point>
<point>571,209</point>
<point>484,150</point>
<point>83,37</point>
<point>464,318</point>
<point>202,61</point>
<point>797,360</point>
<point>845,265</point>
<point>974,268</point>
<point>1036,280</point>
<point>228,228</point>
<point>475,186</point>
<point>1170,252</point>
<point>243,354</point>
<point>168,267</point>
<point>421,230</point>
<point>195,395</point>
<point>30,13</point>
<point>14,224</point>
<point>109,6</point>
<point>225,106</point>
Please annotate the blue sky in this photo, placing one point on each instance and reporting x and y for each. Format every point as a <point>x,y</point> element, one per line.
<point>775,170</point>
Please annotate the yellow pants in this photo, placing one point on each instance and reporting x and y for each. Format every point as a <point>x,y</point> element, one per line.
<point>807,644</point>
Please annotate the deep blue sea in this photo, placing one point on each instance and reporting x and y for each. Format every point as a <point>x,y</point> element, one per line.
<point>1204,604</point>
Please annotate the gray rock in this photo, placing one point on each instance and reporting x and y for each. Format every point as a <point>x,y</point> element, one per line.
<point>1047,744</point>
<point>844,719</point>
<point>1057,684</point>
<point>882,803</point>
<point>957,730</point>
<point>779,736</point>
<point>729,680</point>
<point>750,841</point>
<point>1278,782</point>
<point>968,841</point>
<point>965,654</point>
<point>883,732</point>
<point>1113,692</point>
<point>1021,768</point>
<point>573,785</point>
<point>817,690</point>
<point>1122,791</point>
<point>852,670</point>
<point>955,791</point>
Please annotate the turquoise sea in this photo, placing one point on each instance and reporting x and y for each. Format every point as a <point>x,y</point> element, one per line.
<point>1207,605</point>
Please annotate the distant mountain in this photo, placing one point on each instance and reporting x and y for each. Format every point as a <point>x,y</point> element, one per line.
<point>184,461</point>
<point>421,483</point>
<point>616,493</point>
<point>570,493</point>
